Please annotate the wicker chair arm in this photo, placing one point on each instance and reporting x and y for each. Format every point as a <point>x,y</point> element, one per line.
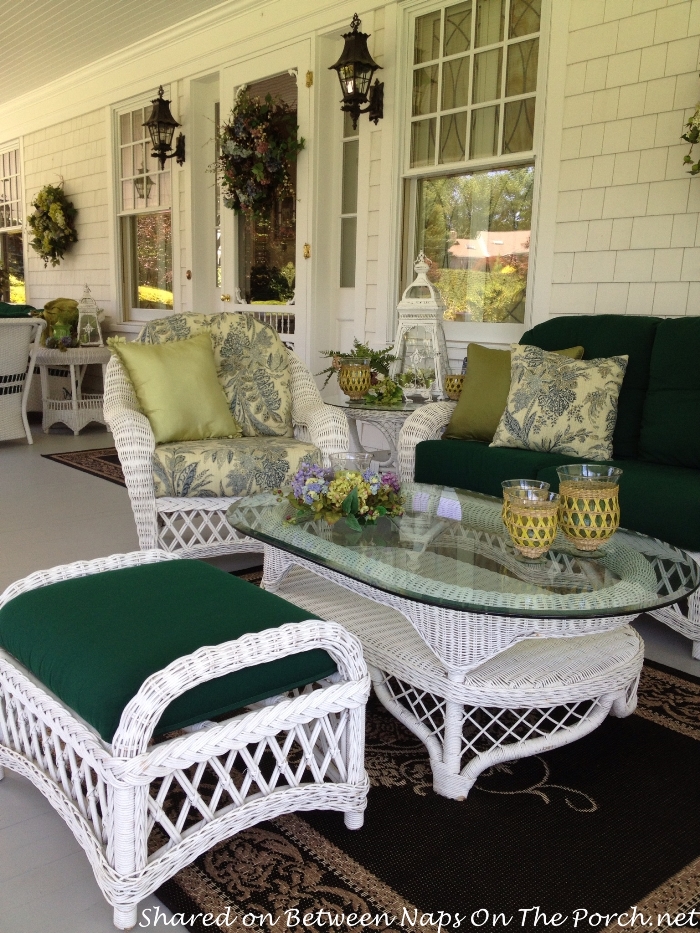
<point>425,424</point>
<point>144,710</point>
<point>119,392</point>
<point>83,568</point>
<point>326,428</point>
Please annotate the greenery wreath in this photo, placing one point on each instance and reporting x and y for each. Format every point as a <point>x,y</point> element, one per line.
<point>258,146</point>
<point>52,224</point>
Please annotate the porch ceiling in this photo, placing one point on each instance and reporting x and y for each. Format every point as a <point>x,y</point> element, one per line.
<point>46,39</point>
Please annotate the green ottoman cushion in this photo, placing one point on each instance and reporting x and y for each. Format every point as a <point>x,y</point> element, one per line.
<point>10,310</point>
<point>94,640</point>
<point>604,335</point>
<point>474,465</point>
<point>660,501</point>
<point>671,423</point>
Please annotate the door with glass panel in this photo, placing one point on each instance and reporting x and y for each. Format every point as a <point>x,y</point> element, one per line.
<point>470,159</point>
<point>265,258</point>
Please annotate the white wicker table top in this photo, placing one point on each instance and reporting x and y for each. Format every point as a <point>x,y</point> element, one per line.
<point>450,550</point>
<point>75,356</point>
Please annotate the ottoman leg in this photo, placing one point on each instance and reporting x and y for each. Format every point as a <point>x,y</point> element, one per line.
<point>125,917</point>
<point>354,820</point>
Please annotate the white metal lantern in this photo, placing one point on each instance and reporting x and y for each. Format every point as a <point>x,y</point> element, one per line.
<point>420,345</point>
<point>89,331</point>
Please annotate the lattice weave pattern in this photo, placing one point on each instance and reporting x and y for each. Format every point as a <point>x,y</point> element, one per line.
<point>142,811</point>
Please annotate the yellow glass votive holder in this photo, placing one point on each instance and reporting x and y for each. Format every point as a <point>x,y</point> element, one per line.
<point>589,507</point>
<point>453,385</point>
<point>540,487</point>
<point>532,520</point>
<point>355,378</point>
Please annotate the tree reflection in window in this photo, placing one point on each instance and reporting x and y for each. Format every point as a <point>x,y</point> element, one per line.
<point>475,229</point>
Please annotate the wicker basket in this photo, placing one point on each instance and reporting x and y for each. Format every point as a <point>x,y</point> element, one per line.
<point>355,378</point>
<point>453,385</point>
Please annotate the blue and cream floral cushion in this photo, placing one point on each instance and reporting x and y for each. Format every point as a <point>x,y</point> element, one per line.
<point>222,467</point>
<point>561,405</point>
<point>252,365</point>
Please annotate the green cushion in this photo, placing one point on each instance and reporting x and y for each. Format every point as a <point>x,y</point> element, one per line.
<point>474,465</point>
<point>178,389</point>
<point>94,640</point>
<point>9,310</point>
<point>605,335</point>
<point>657,500</point>
<point>671,420</point>
<point>485,392</point>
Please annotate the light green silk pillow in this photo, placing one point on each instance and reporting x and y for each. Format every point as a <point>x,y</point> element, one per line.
<point>485,392</point>
<point>178,389</point>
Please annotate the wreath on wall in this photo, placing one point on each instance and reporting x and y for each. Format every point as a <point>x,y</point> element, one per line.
<point>52,224</point>
<point>258,147</point>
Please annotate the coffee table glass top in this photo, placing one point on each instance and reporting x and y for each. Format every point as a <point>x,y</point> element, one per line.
<point>450,549</point>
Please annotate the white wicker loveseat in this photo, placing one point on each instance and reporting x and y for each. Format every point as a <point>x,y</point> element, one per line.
<point>142,810</point>
<point>192,522</point>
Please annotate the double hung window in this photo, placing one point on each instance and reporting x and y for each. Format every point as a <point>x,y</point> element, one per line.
<point>470,153</point>
<point>11,246</point>
<point>145,220</point>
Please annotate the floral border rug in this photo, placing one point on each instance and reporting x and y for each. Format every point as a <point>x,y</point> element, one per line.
<point>606,824</point>
<point>102,462</point>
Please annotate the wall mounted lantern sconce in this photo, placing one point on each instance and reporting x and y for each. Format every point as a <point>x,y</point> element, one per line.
<point>161,127</point>
<point>355,69</point>
<point>144,184</point>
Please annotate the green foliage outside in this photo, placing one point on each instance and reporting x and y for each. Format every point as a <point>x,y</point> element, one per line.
<point>460,207</point>
<point>17,291</point>
<point>150,297</point>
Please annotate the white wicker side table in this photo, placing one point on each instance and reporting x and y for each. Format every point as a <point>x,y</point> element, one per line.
<point>484,656</point>
<point>81,408</point>
<point>387,419</point>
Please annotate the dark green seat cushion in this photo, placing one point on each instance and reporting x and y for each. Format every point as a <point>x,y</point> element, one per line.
<point>474,465</point>
<point>671,419</point>
<point>94,640</point>
<point>604,335</point>
<point>10,310</point>
<point>660,501</point>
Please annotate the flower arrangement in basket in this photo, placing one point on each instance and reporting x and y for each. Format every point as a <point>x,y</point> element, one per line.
<point>383,389</point>
<point>258,147</point>
<point>52,224</point>
<point>360,497</point>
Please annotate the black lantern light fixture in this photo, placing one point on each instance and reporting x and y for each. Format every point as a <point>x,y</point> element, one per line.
<point>355,69</point>
<point>161,127</point>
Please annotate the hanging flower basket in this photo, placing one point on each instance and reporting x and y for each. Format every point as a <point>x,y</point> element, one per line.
<point>52,224</point>
<point>258,147</point>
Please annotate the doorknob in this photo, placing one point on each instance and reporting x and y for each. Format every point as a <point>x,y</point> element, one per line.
<point>225,297</point>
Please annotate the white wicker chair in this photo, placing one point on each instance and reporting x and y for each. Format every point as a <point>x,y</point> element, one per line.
<point>429,422</point>
<point>113,796</point>
<point>197,527</point>
<point>19,343</point>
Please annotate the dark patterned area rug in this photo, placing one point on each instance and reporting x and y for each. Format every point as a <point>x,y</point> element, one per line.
<point>588,831</point>
<point>102,462</point>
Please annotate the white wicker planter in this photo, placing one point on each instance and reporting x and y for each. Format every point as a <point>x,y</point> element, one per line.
<point>113,797</point>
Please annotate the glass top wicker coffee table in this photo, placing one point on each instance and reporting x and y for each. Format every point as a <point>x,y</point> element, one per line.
<point>484,655</point>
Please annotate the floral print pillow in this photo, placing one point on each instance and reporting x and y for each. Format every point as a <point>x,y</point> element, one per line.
<point>252,365</point>
<point>560,405</point>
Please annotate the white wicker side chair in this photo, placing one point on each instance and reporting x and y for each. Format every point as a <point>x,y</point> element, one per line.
<point>142,810</point>
<point>193,525</point>
<point>19,344</point>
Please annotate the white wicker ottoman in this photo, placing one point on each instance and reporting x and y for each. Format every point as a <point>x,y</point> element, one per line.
<point>301,751</point>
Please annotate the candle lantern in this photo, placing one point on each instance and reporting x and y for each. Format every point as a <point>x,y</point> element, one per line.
<point>89,331</point>
<point>420,345</point>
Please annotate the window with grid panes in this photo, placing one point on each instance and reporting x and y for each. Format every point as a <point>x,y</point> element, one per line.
<point>145,218</point>
<point>474,81</point>
<point>348,208</point>
<point>11,246</point>
<point>474,84</point>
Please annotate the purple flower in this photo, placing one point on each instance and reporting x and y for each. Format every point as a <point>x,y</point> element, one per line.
<point>392,480</point>
<point>310,482</point>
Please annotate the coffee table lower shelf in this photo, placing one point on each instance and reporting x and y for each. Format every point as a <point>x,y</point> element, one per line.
<point>537,695</point>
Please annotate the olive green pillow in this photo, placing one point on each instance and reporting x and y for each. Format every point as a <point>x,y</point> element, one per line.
<point>485,392</point>
<point>178,389</point>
